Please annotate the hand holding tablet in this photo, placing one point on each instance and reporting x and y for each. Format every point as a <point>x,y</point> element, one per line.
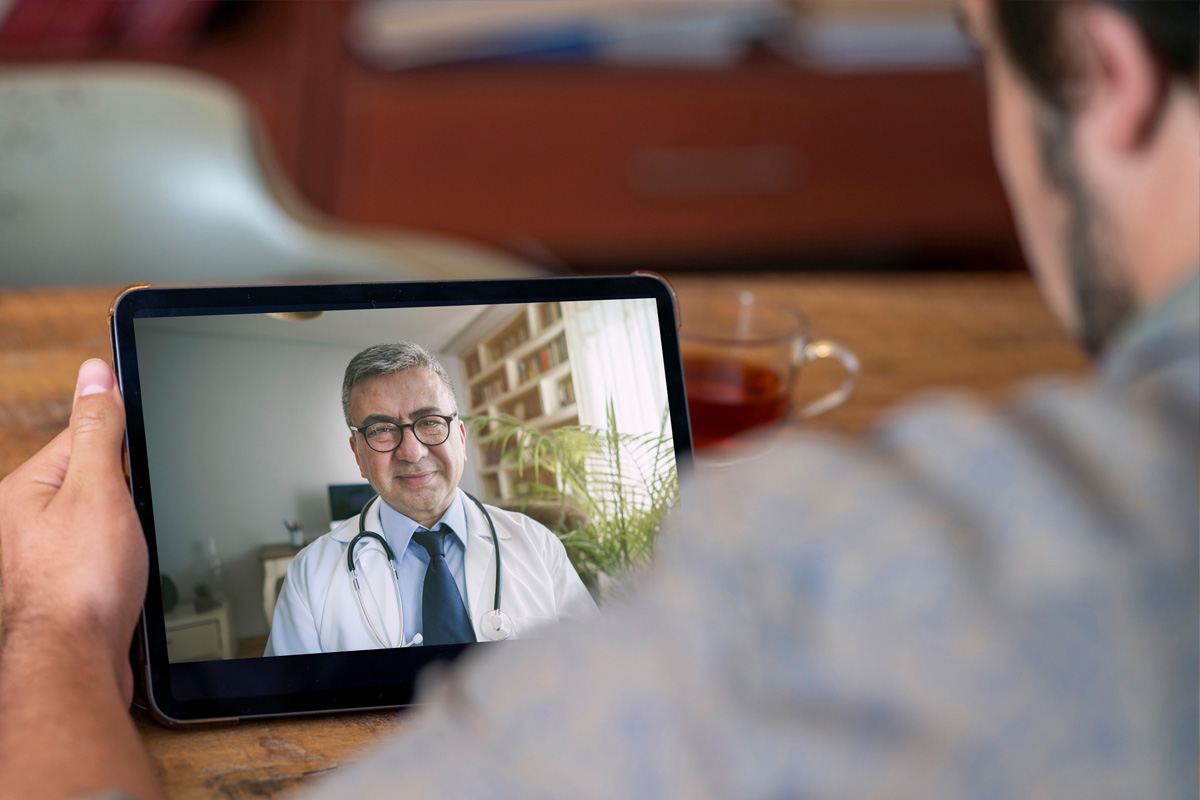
<point>87,584</point>
<point>233,407</point>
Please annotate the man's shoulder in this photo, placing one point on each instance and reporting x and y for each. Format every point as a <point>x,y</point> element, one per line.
<point>1079,431</point>
<point>325,544</point>
<point>530,523</point>
<point>524,518</point>
<point>951,502</point>
<point>1066,462</point>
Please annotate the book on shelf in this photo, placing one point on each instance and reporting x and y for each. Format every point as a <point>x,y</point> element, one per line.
<point>492,456</point>
<point>556,352</point>
<point>511,341</point>
<point>487,391</point>
<point>566,392</point>
<point>471,365</point>
<point>548,314</point>
<point>543,360</point>
<point>524,409</point>
<point>527,368</point>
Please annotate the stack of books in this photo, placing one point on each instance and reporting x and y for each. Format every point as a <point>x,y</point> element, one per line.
<point>397,34</point>
<point>857,35</point>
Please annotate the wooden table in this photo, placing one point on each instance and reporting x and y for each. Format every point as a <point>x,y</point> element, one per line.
<point>912,333</point>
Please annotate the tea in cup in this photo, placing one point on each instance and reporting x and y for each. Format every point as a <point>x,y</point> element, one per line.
<point>741,358</point>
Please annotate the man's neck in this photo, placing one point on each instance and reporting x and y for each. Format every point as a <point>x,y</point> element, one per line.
<point>1161,209</point>
<point>429,522</point>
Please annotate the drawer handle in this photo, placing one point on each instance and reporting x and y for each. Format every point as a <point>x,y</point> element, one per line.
<point>715,171</point>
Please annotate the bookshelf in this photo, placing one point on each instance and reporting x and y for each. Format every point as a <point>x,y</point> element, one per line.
<point>520,367</point>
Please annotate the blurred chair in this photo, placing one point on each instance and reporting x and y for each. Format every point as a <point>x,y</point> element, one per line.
<point>115,174</point>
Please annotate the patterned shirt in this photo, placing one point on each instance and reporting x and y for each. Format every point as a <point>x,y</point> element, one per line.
<point>969,603</point>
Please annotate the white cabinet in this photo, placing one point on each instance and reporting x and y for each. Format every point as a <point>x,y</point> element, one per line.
<point>275,560</point>
<point>200,636</point>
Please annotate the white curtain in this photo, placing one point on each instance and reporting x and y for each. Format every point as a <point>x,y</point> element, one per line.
<point>616,353</point>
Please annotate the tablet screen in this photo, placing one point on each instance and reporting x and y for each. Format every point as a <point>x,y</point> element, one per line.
<point>544,425</point>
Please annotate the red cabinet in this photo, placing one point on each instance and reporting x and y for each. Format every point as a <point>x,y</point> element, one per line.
<point>600,164</point>
<point>604,167</point>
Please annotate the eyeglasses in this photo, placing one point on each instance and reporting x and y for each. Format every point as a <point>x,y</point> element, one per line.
<point>384,437</point>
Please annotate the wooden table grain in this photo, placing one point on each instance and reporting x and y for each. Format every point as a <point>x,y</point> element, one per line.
<point>912,333</point>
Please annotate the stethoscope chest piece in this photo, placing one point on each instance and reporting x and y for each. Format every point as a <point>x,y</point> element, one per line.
<point>497,626</point>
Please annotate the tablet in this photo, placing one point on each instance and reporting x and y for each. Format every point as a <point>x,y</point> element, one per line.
<point>342,484</point>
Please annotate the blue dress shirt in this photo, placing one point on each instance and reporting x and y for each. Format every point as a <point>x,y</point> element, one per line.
<point>398,530</point>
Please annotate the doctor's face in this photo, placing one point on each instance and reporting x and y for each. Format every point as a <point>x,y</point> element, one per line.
<point>417,480</point>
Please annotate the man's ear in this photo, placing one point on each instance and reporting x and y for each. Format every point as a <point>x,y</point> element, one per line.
<point>357,460</point>
<point>1122,88</point>
<point>462,435</point>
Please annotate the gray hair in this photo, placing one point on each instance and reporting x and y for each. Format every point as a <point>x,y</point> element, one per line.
<point>387,359</point>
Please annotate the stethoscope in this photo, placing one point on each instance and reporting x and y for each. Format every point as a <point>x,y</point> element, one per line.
<point>496,625</point>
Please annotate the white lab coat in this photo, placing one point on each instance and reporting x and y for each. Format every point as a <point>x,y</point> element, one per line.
<point>318,612</point>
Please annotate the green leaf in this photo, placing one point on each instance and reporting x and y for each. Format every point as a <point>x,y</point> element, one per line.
<point>624,484</point>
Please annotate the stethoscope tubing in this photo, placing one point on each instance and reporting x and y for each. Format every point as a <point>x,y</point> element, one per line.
<point>393,565</point>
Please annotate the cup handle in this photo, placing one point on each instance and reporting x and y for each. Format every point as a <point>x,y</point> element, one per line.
<point>827,349</point>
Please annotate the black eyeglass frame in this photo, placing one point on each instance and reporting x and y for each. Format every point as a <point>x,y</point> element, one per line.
<point>401,427</point>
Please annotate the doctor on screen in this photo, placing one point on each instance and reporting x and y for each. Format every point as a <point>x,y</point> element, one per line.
<point>421,566</point>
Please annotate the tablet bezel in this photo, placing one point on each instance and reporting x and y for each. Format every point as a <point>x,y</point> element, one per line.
<point>207,691</point>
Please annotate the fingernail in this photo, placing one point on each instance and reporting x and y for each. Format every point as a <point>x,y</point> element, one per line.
<point>94,377</point>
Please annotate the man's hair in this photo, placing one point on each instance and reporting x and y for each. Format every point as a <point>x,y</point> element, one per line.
<point>387,359</point>
<point>1032,36</point>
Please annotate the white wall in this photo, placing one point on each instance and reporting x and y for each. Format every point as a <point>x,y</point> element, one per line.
<point>243,433</point>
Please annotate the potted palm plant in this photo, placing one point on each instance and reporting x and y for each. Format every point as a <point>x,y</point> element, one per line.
<point>604,493</point>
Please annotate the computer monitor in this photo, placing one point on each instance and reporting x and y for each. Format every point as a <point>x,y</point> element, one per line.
<point>347,499</point>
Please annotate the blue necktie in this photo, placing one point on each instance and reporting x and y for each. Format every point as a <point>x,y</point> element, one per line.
<point>444,619</point>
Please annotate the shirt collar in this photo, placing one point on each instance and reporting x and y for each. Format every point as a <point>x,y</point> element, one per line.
<point>399,529</point>
<point>1165,331</point>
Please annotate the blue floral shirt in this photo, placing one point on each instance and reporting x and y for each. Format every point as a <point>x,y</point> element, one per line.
<point>970,603</point>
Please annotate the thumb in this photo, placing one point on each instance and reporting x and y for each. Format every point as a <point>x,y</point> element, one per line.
<point>97,426</point>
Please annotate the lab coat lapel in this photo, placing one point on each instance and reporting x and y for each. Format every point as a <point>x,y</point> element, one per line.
<point>478,562</point>
<point>480,565</point>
